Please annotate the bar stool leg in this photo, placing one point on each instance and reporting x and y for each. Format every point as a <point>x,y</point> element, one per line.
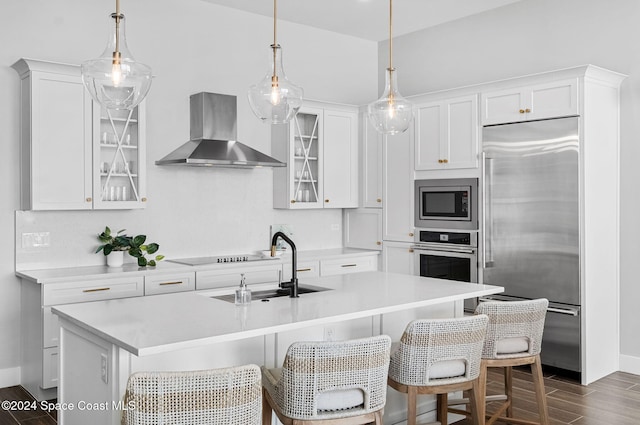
<point>266,409</point>
<point>442,408</point>
<point>412,393</point>
<point>482,393</point>
<point>474,396</point>
<point>541,398</point>
<point>508,389</point>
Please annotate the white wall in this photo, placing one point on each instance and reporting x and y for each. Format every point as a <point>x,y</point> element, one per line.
<point>535,36</point>
<point>192,46</point>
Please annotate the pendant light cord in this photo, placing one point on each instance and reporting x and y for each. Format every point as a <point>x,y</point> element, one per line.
<point>117,25</point>
<point>390,35</point>
<point>274,77</point>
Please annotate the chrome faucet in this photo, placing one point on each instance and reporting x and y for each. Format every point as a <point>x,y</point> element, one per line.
<point>292,285</point>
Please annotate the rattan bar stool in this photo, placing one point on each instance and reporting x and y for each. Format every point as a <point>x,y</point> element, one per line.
<point>229,396</point>
<point>437,357</point>
<point>514,338</point>
<point>341,382</point>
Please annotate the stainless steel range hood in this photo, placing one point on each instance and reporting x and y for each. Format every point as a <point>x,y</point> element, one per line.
<point>213,137</point>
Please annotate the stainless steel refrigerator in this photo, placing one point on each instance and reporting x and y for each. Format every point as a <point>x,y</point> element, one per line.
<point>531,225</point>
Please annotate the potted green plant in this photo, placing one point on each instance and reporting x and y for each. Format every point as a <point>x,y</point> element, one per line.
<point>114,245</point>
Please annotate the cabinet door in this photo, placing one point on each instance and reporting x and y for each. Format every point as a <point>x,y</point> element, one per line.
<point>119,158</point>
<point>503,106</point>
<point>552,100</point>
<point>363,228</point>
<point>306,174</point>
<point>398,258</point>
<point>397,214</point>
<point>370,164</point>
<point>58,173</point>
<point>340,159</point>
<point>339,266</point>
<point>230,277</point>
<point>430,141</point>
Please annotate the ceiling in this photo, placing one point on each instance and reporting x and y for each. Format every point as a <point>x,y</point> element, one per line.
<point>367,19</point>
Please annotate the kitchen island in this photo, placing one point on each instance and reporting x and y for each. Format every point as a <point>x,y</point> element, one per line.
<point>102,343</point>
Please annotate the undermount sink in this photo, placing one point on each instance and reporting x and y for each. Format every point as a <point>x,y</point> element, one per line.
<point>273,293</point>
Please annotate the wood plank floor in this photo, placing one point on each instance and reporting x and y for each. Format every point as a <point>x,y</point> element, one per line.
<point>614,399</point>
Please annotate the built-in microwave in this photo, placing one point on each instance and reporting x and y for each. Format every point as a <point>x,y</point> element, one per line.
<point>446,204</point>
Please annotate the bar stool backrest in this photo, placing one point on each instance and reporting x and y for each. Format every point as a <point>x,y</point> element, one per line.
<point>513,320</point>
<point>230,396</point>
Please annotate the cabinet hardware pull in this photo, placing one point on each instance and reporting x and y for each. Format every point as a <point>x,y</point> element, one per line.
<point>446,161</point>
<point>378,200</point>
<point>348,265</point>
<point>410,249</point>
<point>96,290</point>
<point>522,111</point>
<point>293,201</point>
<point>411,234</point>
<point>308,269</point>
<point>89,199</point>
<point>326,200</point>
<point>177,282</point>
<point>378,243</point>
<point>143,199</point>
<point>439,161</point>
<point>527,110</point>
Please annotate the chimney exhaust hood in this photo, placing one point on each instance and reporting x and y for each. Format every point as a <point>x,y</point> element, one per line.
<point>213,137</point>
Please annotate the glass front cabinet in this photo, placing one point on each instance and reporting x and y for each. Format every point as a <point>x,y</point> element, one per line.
<point>118,158</point>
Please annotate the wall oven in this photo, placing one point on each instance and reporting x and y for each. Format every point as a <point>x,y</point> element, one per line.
<point>446,204</point>
<point>448,255</point>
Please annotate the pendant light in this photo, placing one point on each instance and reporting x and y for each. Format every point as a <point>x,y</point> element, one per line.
<point>275,99</point>
<point>115,80</point>
<point>392,113</point>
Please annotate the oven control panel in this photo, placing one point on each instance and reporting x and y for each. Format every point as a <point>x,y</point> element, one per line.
<point>454,238</point>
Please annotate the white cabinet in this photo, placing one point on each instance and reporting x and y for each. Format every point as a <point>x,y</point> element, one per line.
<point>546,100</point>
<point>398,257</point>
<point>73,156</point>
<point>320,147</point>
<point>371,146</point>
<point>40,329</point>
<point>362,228</point>
<point>397,213</point>
<point>446,134</point>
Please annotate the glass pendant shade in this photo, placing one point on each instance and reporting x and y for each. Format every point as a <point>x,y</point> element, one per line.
<point>275,99</point>
<point>392,113</point>
<point>115,80</point>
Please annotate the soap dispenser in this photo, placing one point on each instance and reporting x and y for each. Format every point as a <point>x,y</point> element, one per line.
<point>243,294</point>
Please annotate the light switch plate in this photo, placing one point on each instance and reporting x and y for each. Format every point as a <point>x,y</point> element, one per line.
<point>287,229</point>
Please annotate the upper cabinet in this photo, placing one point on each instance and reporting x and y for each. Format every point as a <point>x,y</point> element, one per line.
<point>547,100</point>
<point>446,134</point>
<point>320,147</point>
<point>397,214</point>
<point>370,164</point>
<point>73,156</point>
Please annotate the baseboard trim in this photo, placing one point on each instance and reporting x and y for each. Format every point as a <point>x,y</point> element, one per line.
<point>9,377</point>
<point>630,364</point>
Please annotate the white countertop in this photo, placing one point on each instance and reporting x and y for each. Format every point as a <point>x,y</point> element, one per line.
<point>69,274</point>
<point>162,323</point>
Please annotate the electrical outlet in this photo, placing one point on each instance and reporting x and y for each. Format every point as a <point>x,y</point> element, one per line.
<point>104,368</point>
<point>329,333</point>
<point>36,240</point>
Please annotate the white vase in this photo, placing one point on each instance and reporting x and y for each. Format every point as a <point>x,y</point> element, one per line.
<point>115,259</point>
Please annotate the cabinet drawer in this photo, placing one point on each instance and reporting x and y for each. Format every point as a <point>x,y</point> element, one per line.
<point>50,367</point>
<point>348,265</point>
<point>77,292</point>
<point>212,279</point>
<point>167,283</point>
<point>304,269</point>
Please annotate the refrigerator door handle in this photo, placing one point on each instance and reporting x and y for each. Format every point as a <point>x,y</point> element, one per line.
<point>567,311</point>
<point>487,235</point>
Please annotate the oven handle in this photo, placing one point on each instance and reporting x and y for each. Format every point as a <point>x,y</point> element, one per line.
<point>442,249</point>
